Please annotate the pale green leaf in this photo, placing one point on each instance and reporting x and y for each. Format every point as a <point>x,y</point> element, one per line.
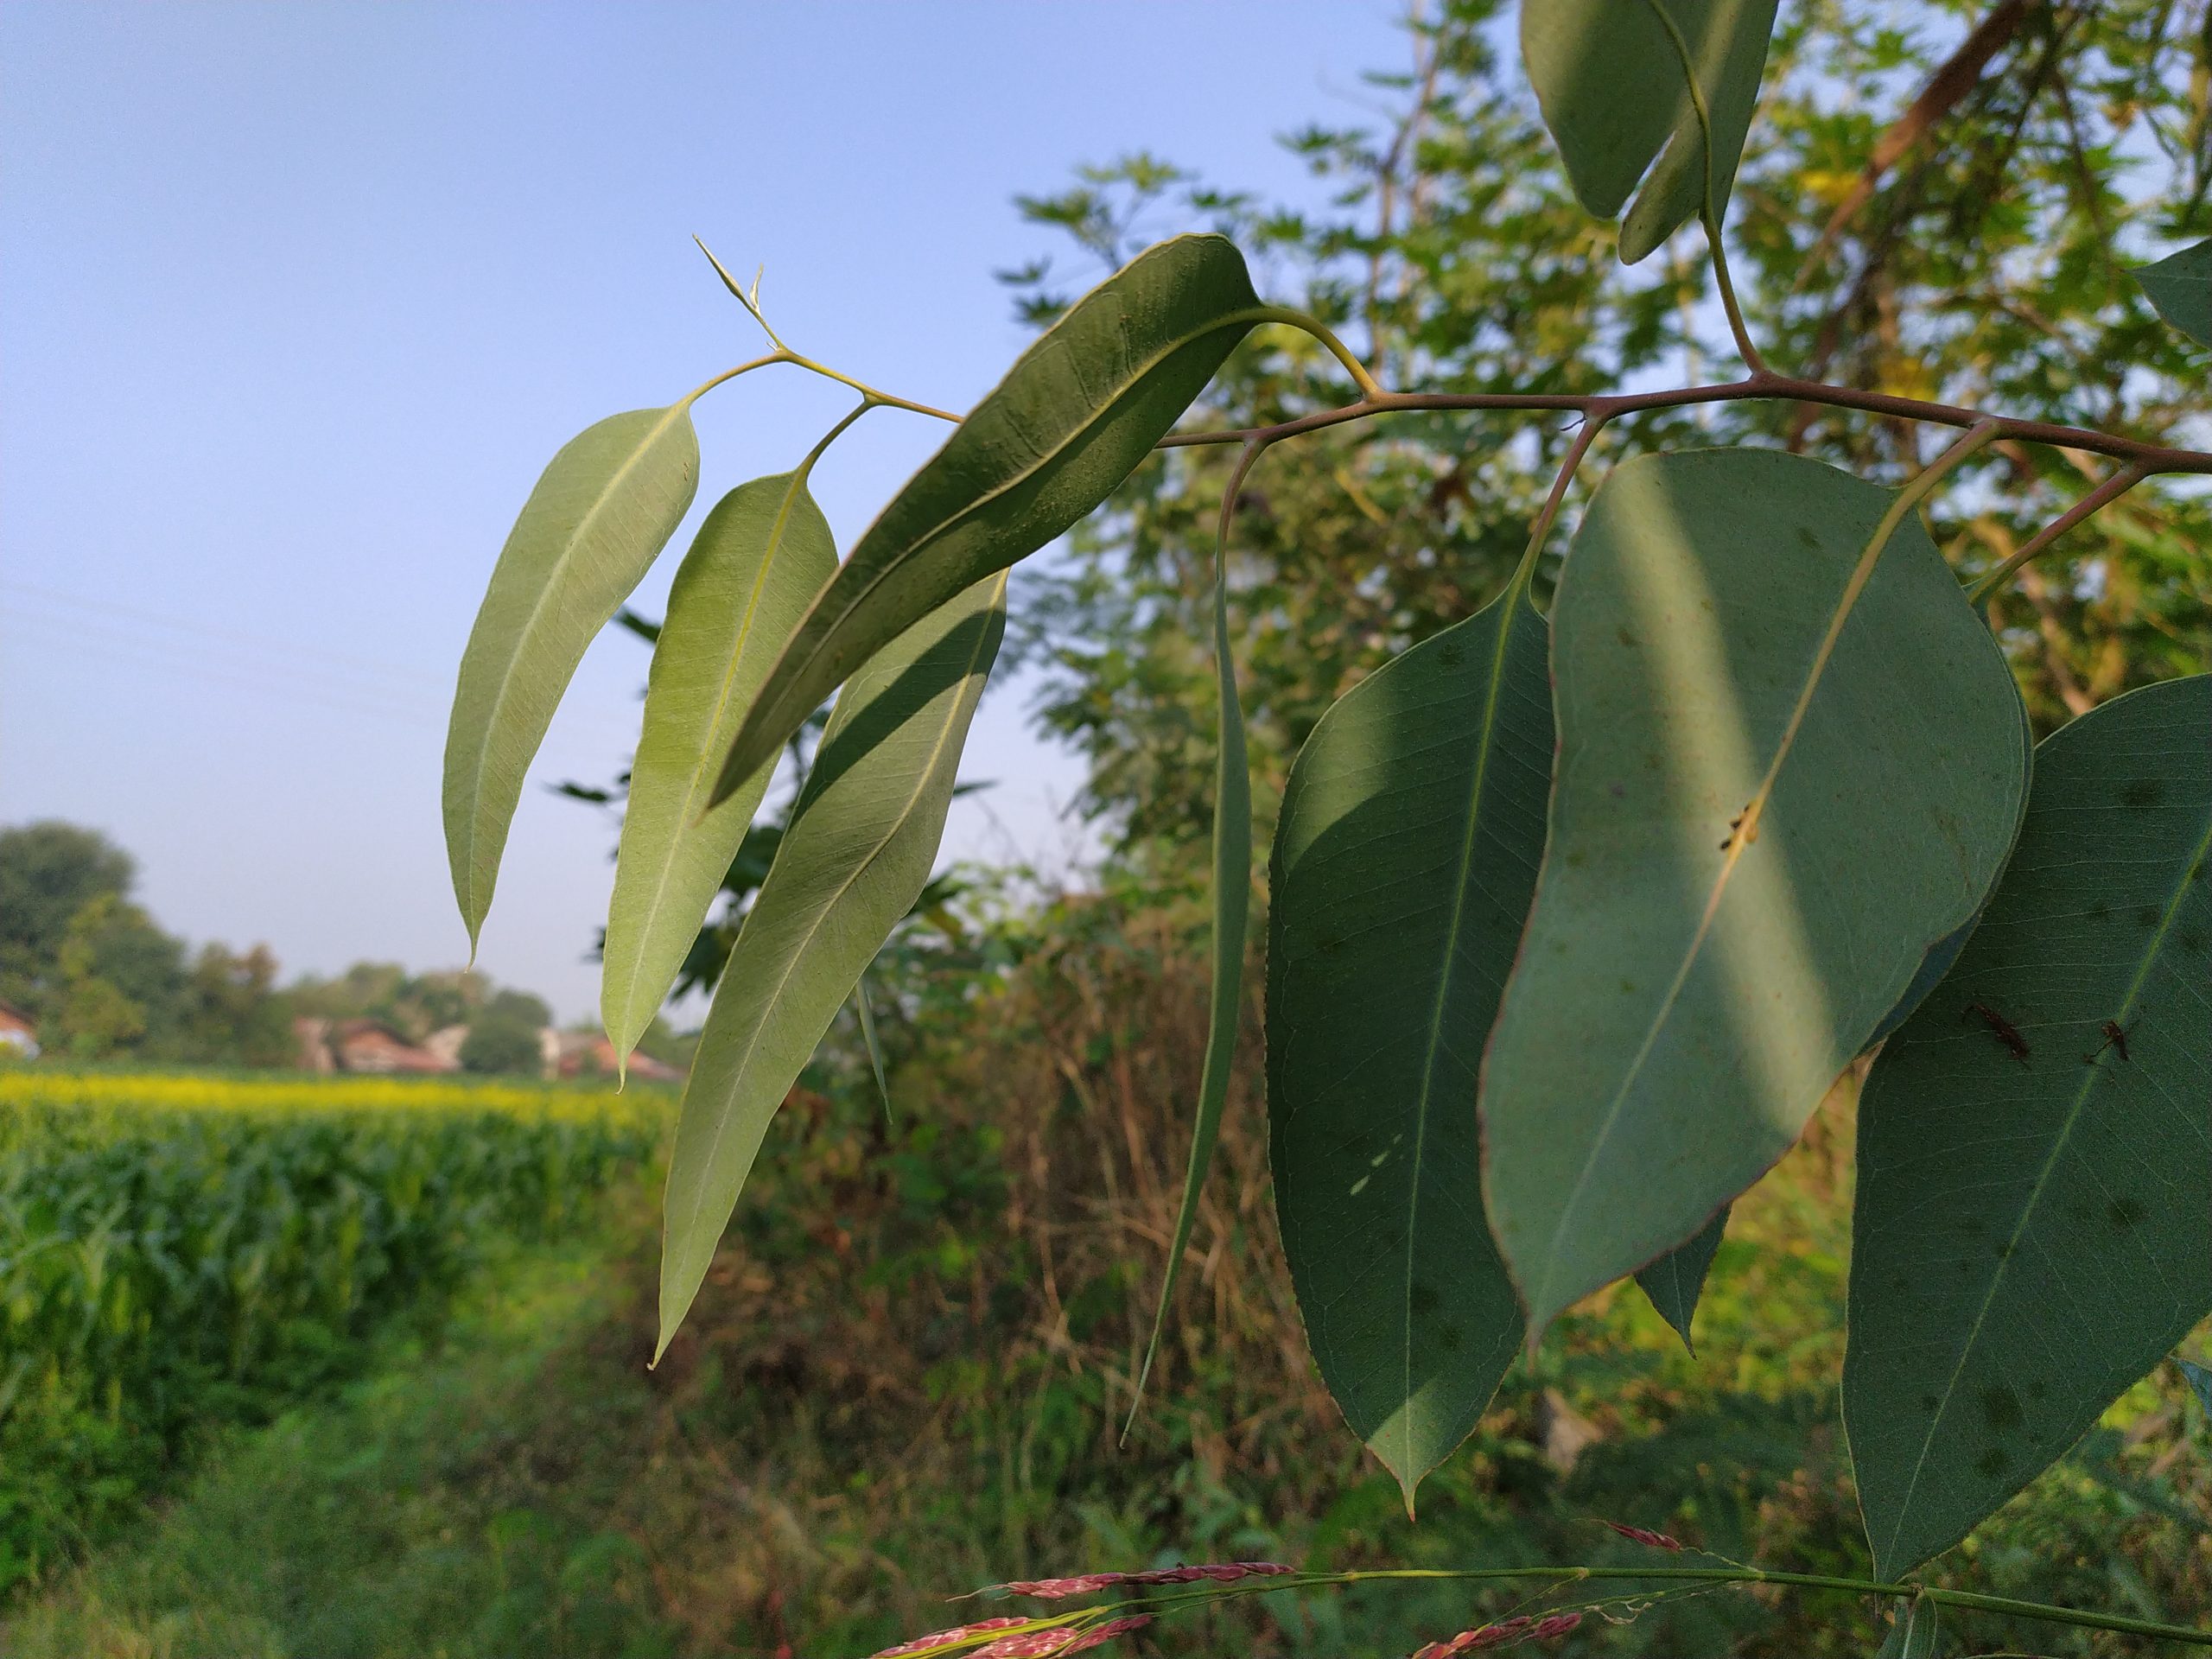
<point>1232,917</point>
<point>1609,76</point>
<point>2032,1234</point>
<point>759,559</point>
<point>1405,858</point>
<point>857,854</point>
<point>1077,413</point>
<point>1676,1280</point>
<point>1687,992</point>
<point>601,512</point>
<point>2180,287</point>
<point>1913,1632</point>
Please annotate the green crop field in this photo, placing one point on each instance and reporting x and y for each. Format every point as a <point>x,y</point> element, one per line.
<point>179,1252</point>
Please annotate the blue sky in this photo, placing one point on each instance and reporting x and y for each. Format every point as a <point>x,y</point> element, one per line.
<point>296,300</point>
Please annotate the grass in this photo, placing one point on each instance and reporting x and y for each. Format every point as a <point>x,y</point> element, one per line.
<point>907,1372</point>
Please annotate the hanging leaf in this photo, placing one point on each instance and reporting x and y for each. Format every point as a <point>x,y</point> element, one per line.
<point>1404,862</point>
<point>1232,919</point>
<point>1077,413</point>
<point>1608,74</point>
<point>1914,1632</point>
<point>2199,1380</point>
<point>1676,1280</point>
<point>603,510</point>
<point>762,555</point>
<point>855,857</point>
<point>2033,1232</point>
<point>2180,287</point>
<point>1784,773</point>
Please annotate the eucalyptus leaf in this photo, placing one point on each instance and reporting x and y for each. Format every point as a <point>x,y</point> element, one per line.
<point>1404,862</point>
<point>1914,1632</point>
<point>2180,288</point>
<point>1074,416</point>
<point>600,512</point>
<point>1784,774</point>
<point>2199,1380</point>
<point>857,854</point>
<point>2033,1233</point>
<point>1676,1280</point>
<point>763,553</point>
<point>1232,919</point>
<point>1609,77</point>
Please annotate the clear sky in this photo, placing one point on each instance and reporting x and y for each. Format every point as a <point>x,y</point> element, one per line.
<point>296,300</point>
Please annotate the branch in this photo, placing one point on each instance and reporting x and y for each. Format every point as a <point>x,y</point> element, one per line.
<point>1957,76</point>
<point>2149,459</point>
<point>2107,492</point>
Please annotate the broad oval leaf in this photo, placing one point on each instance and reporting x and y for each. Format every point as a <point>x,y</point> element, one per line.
<point>1687,990</point>
<point>1405,858</point>
<point>2033,1233</point>
<point>763,553</point>
<point>1676,1280</point>
<point>1077,413</point>
<point>855,857</point>
<point>1608,74</point>
<point>599,514</point>
<point>2180,288</point>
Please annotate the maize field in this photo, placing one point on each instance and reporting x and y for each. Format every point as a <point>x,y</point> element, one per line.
<point>179,1252</point>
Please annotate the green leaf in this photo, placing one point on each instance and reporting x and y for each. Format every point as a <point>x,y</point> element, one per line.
<point>1913,1633</point>
<point>1074,416</point>
<point>1232,917</point>
<point>2199,1380</point>
<point>602,511</point>
<point>870,1041</point>
<point>2031,1236</point>
<point>1609,76</point>
<point>762,555</point>
<point>1730,645</point>
<point>1405,858</point>
<point>2180,287</point>
<point>1676,1280</point>
<point>857,854</point>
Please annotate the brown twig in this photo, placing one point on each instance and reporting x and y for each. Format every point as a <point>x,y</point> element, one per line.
<point>2148,459</point>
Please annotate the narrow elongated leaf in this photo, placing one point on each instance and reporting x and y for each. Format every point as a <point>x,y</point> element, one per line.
<point>855,859</point>
<point>1676,1280</point>
<point>2200,1382</point>
<point>1913,1633</point>
<point>1073,418</point>
<point>1608,74</point>
<point>1784,773</point>
<point>762,555</point>
<point>1404,862</point>
<point>1232,917</point>
<point>2033,1233</point>
<point>602,511</point>
<point>2180,287</point>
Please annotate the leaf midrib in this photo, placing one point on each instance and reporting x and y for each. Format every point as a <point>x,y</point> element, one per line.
<point>1511,601</point>
<point>2043,1177</point>
<point>823,910</point>
<point>506,676</point>
<point>702,766</point>
<point>900,559</point>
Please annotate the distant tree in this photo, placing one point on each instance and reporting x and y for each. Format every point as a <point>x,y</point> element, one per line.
<point>49,871</point>
<point>504,1036</point>
<point>230,1010</point>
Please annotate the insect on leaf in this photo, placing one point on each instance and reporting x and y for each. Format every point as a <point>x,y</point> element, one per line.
<point>2180,288</point>
<point>1404,862</point>
<point>1077,413</point>
<point>1790,760</point>
<point>857,854</point>
<point>763,553</point>
<point>2031,1234</point>
<point>1608,74</point>
<point>599,514</point>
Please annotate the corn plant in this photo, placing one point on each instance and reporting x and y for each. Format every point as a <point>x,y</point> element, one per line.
<point>176,1251</point>
<point>1573,920</point>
